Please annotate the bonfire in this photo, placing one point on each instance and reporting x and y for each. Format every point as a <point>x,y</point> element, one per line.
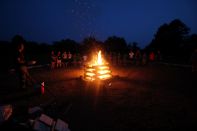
<point>97,69</point>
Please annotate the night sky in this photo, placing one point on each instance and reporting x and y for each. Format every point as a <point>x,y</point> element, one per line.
<point>53,20</point>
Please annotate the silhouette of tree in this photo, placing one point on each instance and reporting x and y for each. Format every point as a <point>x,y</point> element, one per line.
<point>192,42</point>
<point>90,44</point>
<point>190,45</point>
<point>66,45</point>
<point>17,39</point>
<point>170,38</point>
<point>116,44</point>
<point>133,46</point>
<point>45,48</point>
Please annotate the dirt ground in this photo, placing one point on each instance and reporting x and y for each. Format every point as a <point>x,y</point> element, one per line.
<point>145,97</point>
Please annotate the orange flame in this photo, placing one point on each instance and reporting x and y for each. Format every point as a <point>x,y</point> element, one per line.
<point>98,59</point>
<point>97,69</point>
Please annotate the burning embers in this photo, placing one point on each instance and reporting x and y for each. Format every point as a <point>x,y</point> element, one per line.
<point>97,69</point>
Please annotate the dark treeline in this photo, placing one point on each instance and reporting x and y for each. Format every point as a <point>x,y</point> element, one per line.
<point>174,42</point>
<point>172,39</point>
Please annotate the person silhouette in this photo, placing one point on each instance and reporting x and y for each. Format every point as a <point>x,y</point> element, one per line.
<point>21,64</point>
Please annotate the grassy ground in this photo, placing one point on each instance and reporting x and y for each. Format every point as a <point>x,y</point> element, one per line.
<point>153,96</point>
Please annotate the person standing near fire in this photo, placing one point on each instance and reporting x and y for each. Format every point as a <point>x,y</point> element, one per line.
<point>151,57</point>
<point>85,57</point>
<point>21,64</point>
<point>59,60</point>
<point>53,59</point>
<point>70,59</point>
<point>65,59</point>
<point>131,57</point>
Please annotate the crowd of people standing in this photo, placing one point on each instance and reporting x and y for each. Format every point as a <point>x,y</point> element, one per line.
<point>138,57</point>
<point>65,59</point>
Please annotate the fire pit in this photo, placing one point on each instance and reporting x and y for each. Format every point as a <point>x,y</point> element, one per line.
<point>97,69</point>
